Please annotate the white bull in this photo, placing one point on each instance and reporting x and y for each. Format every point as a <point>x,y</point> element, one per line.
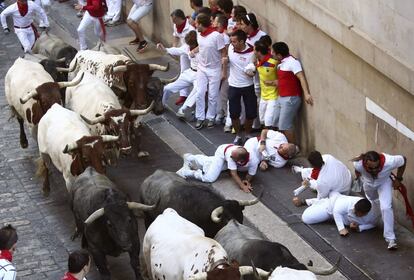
<point>176,249</point>
<point>64,139</point>
<point>30,92</point>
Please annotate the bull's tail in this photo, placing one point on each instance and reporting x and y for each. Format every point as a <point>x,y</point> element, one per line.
<point>41,171</point>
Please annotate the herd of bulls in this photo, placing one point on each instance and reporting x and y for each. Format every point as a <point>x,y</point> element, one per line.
<point>82,107</point>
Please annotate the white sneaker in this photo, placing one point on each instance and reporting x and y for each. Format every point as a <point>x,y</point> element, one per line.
<point>180,114</point>
<point>184,172</point>
<point>392,244</point>
<point>227,129</point>
<point>297,169</point>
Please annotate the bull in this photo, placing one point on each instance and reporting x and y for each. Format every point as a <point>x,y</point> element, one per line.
<point>176,249</point>
<point>105,218</point>
<point>247,245</point>
<point>198,203</point>
<point>30,98</point>
<point>100,109</point>
<point>64,140</point>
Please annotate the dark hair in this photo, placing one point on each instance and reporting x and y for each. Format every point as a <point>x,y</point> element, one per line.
<point>222,19</point>
<point>239,11</point>
<point>203,19</point>
<point>250,19</point>
<point>281,48</point>
<point>370,155</point>
<point>197,3</point>
<point>363,206</point>
<point>315,159</point>
<point>8,237</point>
<point>205,10</point>
<point>240,34</point>
<point>178,13</point>
<point>225,5</point>
<point>77,260</point>
<point>261,48</point>
<point>266,40</point>
<point>191,38</point>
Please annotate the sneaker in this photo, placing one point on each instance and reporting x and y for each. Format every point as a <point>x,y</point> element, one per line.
<point>227,129</point>
<point>180,114</point>
<point>392,244</point>
<point>134,42</point>
<point>296,169</point>
<point>106,19</point>
<point>210,123</point>
<point>78,14</point>
<point>199,124</point>
<point>142,46</point>
<point>219,119</point>
<point>113,23</point>
<point>180,100</point>
<point>233,131</point>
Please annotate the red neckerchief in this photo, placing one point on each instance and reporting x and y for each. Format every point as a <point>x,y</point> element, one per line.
<point>381,166</point>
<point>221,30</point>
<point>208,31</point>
<point>315,173</point>
<point>266,58</point>
<point>254,33</point>
<point>23,8</point>
<point>180,27</point>
<point>69,276</point>
<point>6,255</point>
<point>248,50</point>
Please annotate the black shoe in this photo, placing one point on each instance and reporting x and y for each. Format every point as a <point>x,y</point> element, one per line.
<point>142,46</point>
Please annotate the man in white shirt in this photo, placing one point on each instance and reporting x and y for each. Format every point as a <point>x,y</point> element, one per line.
<point>23,12</point>
<point>227,156</point>
<point>211,63</point>
<point>8,241</point>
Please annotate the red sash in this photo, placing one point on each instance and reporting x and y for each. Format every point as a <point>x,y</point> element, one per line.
<point>408,210</point>
<point>102,24</point>
<point>315,173</point>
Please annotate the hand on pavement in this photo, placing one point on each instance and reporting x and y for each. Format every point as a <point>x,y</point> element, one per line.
<point>343,232</point>
<point>247,187</point>
<point>263,165</point>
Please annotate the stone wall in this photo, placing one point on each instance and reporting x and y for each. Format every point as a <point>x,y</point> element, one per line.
<point>353,54</point>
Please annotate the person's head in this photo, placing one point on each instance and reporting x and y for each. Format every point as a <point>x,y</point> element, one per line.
<point>191,39</point>
<point>225,6</point>
<point>237,12</point>
<point>196,4</point>
<point>240,155</point>
<point>287,150</point>
<point>280,50</point>
<point>205,10</point>
<point>238,39</point>
<point>79,261</point>
<point>220,22</point>
<point>362,207</point>
<point>266,40</point>
<point>371,162</point>
<point>202,22</point>
<point>315,159</point>
<point>178,16</point>
<point>260,50</point>
<point>249,23</point>
<point>8,238</point>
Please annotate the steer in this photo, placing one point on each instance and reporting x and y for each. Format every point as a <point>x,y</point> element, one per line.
<point>247,245</point>
<point>100,108</point>
<point>175,249</point>
<point>194,201</point>
<point>30,92</point>
<point>64,139</point>
<point>105,219</point>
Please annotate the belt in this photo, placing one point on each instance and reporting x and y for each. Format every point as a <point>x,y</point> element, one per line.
<point>195,70</point>
<point>18,27</point>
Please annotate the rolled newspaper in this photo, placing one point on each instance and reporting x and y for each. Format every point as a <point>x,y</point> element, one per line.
<point>299,190</point>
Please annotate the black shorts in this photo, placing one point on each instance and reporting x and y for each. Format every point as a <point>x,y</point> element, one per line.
<point>249,99</point>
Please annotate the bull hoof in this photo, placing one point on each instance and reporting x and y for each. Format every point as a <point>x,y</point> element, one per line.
<point>142,154</point>
<point>24,144</point>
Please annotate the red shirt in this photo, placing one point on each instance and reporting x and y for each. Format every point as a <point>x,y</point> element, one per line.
<point>94,7</point>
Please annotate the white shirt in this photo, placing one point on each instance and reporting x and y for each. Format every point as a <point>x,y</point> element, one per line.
<point>238,63</point>
<point>187,28</point>
<point>210,47</point>
<point>333,177</point>
<point>391,163</point>
<point>7,270</point>
<point>250,166</point>
<point>255,38</point>
<point>254,157</point>
<point>273,140</point>
<point>142,2</point>
<point>290,64</point>
<point>184,50</point>
<point>25,21</point>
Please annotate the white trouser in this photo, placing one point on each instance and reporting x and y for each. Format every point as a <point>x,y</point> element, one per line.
<point>191,98</point>
<point>384,193</point>
<point>45,5</point>
<point>85,22</point>
<point>317,212</point>
<point>184,65</point>
<point>210,167</point>
<point>242,117</point>
<point>207,80</point>
<point>114,10</point>
<point>184,81</point>
<point>26,37</point>
<point>222,99</point>
<point>267,109</point>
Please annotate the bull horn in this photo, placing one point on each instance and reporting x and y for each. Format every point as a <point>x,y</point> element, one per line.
<point>62,59</point>
<point>140,206</point>
<point>71,69</point>
<point>198,276</point>
<point>247,270</point>
<point>120,68</point>
<point>62,69</point>
<point>216,213</point>
<point>159,67</point>
<point>167,81</point>
<point>329,271</point>
<point>95,215</point>
<point>93,121</point>
<point>142,112</point>
<point>248,202</point>
<point>27,97</point>
<point>109,138</point>
<point>72,83</point>
<point>70,147</point>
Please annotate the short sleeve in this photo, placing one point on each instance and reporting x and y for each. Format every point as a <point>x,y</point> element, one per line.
<point>295,66</point>
<point>395,161</point>
<point>220,41</point>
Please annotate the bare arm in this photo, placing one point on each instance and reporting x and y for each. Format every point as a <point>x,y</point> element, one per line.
<point>224,61</point>
<point>304,84</point>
